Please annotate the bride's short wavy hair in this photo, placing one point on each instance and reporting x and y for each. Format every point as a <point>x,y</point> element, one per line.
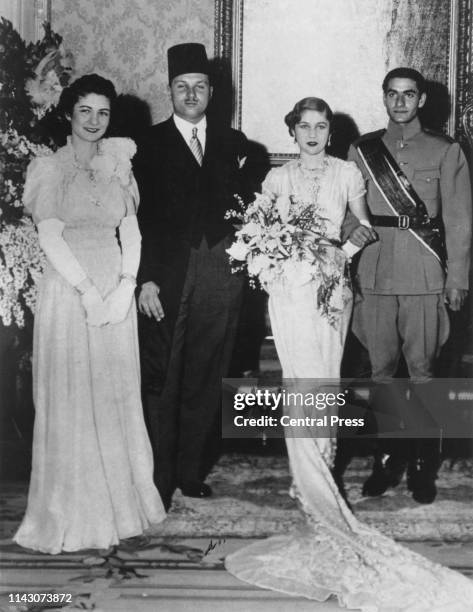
<point>87,84</point>
<point>317,104</point>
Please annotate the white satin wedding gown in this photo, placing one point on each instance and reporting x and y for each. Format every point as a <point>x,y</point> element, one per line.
<point>334,554</point>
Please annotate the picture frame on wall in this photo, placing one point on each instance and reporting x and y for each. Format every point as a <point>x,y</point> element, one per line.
<point>280,51</point>
<point>27,16</point>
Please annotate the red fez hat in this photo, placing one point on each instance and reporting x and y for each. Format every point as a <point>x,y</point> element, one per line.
<point>186,58</point>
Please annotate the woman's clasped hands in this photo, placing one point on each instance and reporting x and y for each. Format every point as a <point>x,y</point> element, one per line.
<point>111,310</point>
<point>118,302</point>
<point>94,306</point>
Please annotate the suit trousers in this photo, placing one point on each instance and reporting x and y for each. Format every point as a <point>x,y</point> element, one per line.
<point>416,325</point>
<point>184,418</point>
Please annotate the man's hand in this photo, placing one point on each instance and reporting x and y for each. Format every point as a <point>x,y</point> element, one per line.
<point>149,302</point>
<point>455,298</point>
<point>362,235</point>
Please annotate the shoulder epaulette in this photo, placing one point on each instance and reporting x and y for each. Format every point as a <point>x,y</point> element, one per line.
<point>369,136</point>
<point>440,135</point>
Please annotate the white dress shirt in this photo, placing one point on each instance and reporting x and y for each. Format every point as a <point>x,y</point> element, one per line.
<point>186,127</point>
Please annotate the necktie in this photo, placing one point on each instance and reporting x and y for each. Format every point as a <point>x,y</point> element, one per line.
<point>196,147</point>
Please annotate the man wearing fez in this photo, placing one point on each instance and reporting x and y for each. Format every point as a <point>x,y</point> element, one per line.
<point>420,201</point>
<point>188,170</point>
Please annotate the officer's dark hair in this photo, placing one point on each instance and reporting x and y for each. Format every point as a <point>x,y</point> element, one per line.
<point>317,104</point>
<point>87,84</point>
<point>405,73</point>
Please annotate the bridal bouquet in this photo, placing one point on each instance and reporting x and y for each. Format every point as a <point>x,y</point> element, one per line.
<point>282,242</point>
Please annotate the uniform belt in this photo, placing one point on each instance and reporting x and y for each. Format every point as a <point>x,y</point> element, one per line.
<point>402,222</point>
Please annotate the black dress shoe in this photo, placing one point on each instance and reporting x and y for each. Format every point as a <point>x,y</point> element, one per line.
<point>198,489</point>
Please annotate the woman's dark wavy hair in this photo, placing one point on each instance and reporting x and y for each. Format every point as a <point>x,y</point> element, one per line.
<point>317,104</point>
<point>87,84</point>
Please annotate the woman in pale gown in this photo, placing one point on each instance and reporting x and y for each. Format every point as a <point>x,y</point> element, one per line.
<point>92,473</point>
<point>333,554</point>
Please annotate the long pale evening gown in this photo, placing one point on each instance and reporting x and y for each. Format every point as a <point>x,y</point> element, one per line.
<point>92,474</point>
<point>334,554</point>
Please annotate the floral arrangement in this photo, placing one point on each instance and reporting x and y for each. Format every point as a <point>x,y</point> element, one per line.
<point>282,242</point>
<point>31,80</point>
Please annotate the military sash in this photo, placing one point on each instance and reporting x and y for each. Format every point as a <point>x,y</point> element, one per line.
<point>401,197</point>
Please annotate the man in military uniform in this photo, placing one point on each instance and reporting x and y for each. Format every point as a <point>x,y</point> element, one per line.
<point>404,283</point>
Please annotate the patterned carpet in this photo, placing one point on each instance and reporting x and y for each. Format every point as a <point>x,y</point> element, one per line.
<point>182,561</point>
<point>250,500</point>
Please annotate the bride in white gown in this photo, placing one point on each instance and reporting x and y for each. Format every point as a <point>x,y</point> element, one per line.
<point>333,554</point>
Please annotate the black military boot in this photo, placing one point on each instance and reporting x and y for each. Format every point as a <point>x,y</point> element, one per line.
<point>423,469</point>
<point>388,471</point>
<point>388,402</point>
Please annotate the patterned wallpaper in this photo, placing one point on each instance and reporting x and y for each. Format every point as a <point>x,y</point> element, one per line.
<point>126,40</point>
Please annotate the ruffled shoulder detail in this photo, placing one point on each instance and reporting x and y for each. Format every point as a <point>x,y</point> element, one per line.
<point>118,147</point>
<point>114,159</point>
<point>42,186</point>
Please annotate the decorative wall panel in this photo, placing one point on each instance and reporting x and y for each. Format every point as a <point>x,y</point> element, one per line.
<point>126,40</point>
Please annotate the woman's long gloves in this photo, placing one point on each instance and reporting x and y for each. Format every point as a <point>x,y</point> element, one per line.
<point>64,261</point>
<point>118,302</point>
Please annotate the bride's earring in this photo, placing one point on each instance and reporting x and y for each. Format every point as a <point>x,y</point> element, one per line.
<point>329,141</point>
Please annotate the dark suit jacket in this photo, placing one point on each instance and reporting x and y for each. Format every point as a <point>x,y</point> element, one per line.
<point>182,202</point>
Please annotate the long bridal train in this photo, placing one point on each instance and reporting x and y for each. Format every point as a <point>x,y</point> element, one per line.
<point>334,554</point>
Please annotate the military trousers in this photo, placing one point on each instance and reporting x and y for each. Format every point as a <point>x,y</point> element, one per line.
<point>414,325</point>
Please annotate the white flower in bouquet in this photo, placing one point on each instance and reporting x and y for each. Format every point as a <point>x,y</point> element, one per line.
<point>252,229</point>
<point>283,202</point>
<point>259,264</point>
<point>238,251</point>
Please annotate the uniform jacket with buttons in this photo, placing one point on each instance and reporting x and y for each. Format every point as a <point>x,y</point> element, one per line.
<point>398,264</point>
